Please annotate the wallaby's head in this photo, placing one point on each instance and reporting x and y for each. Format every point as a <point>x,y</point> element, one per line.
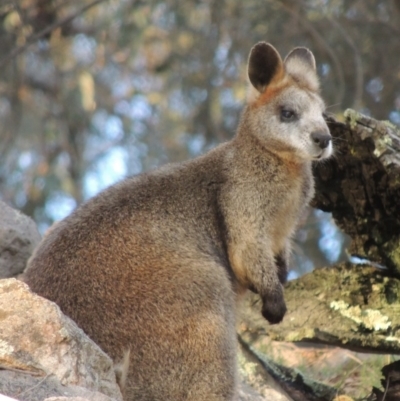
<point>285,109</point>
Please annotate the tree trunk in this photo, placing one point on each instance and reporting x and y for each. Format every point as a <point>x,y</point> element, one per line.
<point>360,186</point>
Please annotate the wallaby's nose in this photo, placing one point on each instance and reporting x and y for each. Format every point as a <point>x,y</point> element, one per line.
<point>321,139</point>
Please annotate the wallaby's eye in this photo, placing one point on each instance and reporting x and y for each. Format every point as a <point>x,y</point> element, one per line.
<point>288,115</point>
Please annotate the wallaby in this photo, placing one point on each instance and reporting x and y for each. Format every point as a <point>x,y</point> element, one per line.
<point>155,263</point>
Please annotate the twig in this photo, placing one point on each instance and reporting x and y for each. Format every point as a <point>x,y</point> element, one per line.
<point>18,50</point>
<point>386,388</point>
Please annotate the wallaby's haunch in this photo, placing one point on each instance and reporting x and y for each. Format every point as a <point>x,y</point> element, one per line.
<point>154,263</point>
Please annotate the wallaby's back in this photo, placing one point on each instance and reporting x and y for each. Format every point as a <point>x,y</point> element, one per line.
<point>153,264</point>
<point>139,267</point>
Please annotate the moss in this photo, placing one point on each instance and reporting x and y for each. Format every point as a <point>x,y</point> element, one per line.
<point>395,252</point>
<point>351,117</point>
<point>389,124</point>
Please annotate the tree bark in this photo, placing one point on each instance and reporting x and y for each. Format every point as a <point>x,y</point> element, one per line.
<point>360,186</point>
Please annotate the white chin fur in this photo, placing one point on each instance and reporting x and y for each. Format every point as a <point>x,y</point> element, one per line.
<point>327,152</point>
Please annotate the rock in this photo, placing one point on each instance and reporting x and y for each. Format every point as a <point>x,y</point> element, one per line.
<point>65,399</point>
<point>45,354</point>
<point>18,238</point>
<point>26,387</point>
<point>4,398</point>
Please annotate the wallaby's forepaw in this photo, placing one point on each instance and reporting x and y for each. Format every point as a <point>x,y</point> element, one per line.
<point>281,264</point>
<point>273,309</point>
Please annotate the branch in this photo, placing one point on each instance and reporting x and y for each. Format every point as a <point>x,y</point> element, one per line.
<point>34,38</point>
<point>348,306</point>
<point>285,383</point>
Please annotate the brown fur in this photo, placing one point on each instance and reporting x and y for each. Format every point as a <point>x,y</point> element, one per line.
<point>153,264</point>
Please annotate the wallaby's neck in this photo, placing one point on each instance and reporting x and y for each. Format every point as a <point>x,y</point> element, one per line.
<point>253,148</point>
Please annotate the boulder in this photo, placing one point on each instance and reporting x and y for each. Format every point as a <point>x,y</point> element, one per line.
<point>43,353</point>
<point>5,398</point>
<point>18,237</point>
<point>24,386</point>
<point>66,399</point>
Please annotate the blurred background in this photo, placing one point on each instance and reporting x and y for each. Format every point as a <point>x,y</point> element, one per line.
<point>94,91</point>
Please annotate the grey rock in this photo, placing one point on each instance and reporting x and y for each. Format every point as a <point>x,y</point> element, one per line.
<point>18,237</point>
<point>24,387</point>
<point>44,353</point>
<point>67,399</point>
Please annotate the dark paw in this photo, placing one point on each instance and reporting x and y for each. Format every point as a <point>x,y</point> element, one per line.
<point>274,309</point>
<point>252,288</point>
<point>282,268</point>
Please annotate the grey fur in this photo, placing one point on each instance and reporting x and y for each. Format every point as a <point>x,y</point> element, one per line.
<point>155,263</point>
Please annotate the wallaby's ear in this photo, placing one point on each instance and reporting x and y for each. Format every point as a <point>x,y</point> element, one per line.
<point>300,64</point>
<point>301,54</point>
<point>265,65</point>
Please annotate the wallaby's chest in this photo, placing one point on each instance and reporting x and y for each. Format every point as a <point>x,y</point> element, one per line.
<point>290,204</point>
<point>280,203</point>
